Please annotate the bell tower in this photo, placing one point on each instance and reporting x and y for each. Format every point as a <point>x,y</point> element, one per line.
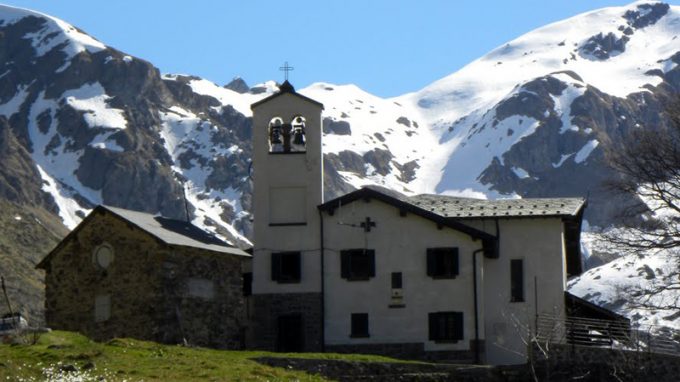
<point>288,187</point>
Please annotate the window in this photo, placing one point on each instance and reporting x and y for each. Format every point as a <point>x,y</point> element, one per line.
<point>442,263</point>
<point>516,280</point>
<point>286,267</point>
<point>396,280</point>
<point>359,325</point>
<point>201,288</point>
<point>357,264</point>
<point>103,255</point>
<point>102,307</point>
<point>446,326</point>
<point>247,283</point>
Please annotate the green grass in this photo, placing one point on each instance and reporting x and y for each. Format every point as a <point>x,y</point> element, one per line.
<point>134,360</point>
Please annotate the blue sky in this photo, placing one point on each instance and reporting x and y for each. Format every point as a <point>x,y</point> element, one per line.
<point>386,47</point>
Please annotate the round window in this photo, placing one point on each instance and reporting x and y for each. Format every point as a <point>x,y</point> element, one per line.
<point>103,255</point>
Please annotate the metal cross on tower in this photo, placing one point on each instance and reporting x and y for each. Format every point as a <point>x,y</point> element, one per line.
<point>285,68</point>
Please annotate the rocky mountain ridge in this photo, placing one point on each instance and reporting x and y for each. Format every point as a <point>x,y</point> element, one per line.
<point>83,124</point>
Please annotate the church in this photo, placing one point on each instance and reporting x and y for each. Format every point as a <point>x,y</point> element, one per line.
<point>421,277</point>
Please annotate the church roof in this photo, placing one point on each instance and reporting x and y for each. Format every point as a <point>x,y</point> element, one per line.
<point>403,202</point>
<point>285,88</point>
<point>168,231</point>
<point>456,207</point>
<point>450,209</point>
<point>175,232</point>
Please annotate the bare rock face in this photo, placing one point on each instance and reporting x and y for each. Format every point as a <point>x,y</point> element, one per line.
<point>604,46</point>
<point>19,178</point>
<point>646,14</point>
<point>336,127</point>
<point>238,85</point>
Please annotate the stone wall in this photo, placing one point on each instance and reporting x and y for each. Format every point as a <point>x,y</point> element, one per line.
<point>267,308</point>
<point>156,292</point>
<point>568,362</point>
<point>410,351</point>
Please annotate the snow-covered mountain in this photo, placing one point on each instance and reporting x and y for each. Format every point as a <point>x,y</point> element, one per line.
<point>87,124</point>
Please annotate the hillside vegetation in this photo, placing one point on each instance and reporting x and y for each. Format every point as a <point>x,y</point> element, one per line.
<point>27,235</point>
<point>72,357</point>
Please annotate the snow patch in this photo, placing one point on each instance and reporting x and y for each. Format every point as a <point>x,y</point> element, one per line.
<point>520,172</point>
<point>53,33</point>
<point>12,106</point>
<point>585,151</point>
<point>91,99</point>
<point>561,161</point>
<point>68,207</point>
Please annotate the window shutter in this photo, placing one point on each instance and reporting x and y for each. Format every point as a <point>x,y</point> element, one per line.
<point>276,266</point>
<point>431,262</point>
<point>297,271</point>
<point>454,253</point>
<point>371,262</point>
<point>344,264</point>
<point>457,325</point>
<point>432,325</point>
<point>396,280</point>
<point>516,280</point>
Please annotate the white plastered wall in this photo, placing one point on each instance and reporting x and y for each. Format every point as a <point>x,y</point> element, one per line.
<point>286,172</point>
<point>400,245</point>
<point>539,242</point>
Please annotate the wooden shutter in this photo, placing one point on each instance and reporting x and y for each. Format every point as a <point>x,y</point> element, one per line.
<point>345,264</point>
<point>276,266</point>
<point>294,266</point>
<point>431,262</point>
<point>396,280</point>
<point>457,325</point>
<point>433,319</point>
<point>371,262</point>
<point>454,253</point>
<point>516,280</point>
<point>247,283</point>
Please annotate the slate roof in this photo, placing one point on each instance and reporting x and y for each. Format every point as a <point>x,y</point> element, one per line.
<point>448,207</point>
<point>402,202</point>
<point>175,232</point>
<point>456,207</point>
<point>169,231</point>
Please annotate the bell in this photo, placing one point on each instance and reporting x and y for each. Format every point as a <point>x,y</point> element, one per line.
<point>299,137</point>
<point>276,136</point>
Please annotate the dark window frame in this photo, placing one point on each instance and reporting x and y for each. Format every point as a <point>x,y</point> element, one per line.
<point>516,280</point>
<point>443,262</point>
<point>359,325</point>
<point>397,280</point>
<point>286,267</point>
<point>357,264</point>
<point>446,326</point>
<point>247,283</point>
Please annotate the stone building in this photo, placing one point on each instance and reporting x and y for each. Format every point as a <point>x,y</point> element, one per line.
<point>375,271</point>
<point>123,273</point>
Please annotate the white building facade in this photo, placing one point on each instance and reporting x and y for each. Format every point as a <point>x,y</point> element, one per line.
<point>373,271</point>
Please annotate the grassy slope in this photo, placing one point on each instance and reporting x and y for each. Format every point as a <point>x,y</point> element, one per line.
<point>27,234</point>
<point>133,360</point>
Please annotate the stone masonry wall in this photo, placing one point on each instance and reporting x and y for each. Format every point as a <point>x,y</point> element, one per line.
<point>267,308</point>
<point>409,351</point>
<point>567,362</point>
<point>157,292</point>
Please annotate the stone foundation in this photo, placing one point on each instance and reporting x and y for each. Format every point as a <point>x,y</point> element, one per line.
<point>267,308</point>
<point>411,351</point>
